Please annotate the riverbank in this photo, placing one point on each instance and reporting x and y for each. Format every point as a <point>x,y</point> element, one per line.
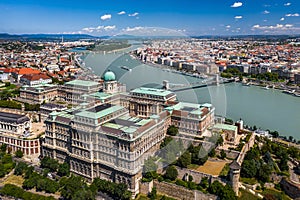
<point>170,69</point>
<point>292,90</point>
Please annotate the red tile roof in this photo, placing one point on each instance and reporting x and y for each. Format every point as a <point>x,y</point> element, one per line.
<point>23,71</point>
<point>34,77</point>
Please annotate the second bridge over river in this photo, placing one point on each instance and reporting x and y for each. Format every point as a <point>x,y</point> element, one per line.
<point>177,87</point>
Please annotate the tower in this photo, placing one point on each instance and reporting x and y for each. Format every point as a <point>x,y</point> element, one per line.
<point>235,170</point>
<point>110,83</point>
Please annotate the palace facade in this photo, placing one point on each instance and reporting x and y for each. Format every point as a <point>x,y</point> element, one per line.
<point>112,132</point>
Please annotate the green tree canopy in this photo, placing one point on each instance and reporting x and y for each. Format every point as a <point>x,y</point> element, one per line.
<point>171,173</point>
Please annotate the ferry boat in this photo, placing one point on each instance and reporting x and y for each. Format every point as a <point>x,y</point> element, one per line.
<point>126,68</point>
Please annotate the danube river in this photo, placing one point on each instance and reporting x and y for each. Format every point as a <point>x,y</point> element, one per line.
<point>267,109</point>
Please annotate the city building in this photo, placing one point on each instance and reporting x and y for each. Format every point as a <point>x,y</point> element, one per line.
<point>73,91</point>
<point>104,141</point>
<point>14,123</point>
<point>35,79</point>
<point>192,118</point>
<point>15,133</point>
<point>47,108</point>
<point>110,134</point>
<point>110,85</point>
<point>228,132</point>
<point>145,102</point>
<point>38,93</point>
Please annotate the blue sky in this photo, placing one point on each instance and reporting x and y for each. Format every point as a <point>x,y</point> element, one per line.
<point>190,17</point>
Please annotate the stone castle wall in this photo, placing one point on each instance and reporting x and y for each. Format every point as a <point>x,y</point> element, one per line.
<point>181,193</point>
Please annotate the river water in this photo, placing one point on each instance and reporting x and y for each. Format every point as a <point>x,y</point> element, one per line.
<point>267,109</point>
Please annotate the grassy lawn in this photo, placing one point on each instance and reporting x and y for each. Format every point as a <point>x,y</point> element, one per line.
<point>15,180</point>
<point>245,195</point>
<point>250,181</point>
<point>10,87</point>
<point>225,170</point>
<point>192,166</point>
<point>277,194</point>
<point>212,167</point>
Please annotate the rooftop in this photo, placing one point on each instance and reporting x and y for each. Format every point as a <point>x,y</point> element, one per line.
<point>225,127</point>
<point>152,91</point>
<point>191,108</point>
<point>82,83</point>
<point>100,95</point>
<point>126,124</point>
<point>99,111</point>
<point>13,118</point>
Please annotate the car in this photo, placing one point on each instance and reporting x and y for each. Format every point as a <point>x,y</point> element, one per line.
<point>49,175</point>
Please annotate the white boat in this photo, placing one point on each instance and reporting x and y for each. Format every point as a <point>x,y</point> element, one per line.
<point>267,87</point>
<point>297,94</point>
<point>126,68</point>
<point>289,91</point>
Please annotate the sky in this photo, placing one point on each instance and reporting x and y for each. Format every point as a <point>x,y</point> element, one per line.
<point>146,17</point>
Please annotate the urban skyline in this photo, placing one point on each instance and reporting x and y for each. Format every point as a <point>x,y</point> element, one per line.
<point>190,18</point>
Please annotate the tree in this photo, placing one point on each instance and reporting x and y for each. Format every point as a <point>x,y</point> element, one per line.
<point>165,142</point>
<point>184,160</point>
<point>172,130</point>
<point>227,193</point>
<point>223,154</point>
<point>264,173</point>
<point>153,194</point>
<point>149,169</point>
<point>3,147</point>
<point>224,193</point>
<point>71,186</point>
<point>49,163</point>
<point>249,168</point>
<point>19,154</point>
<point>171,173</point>
<point>212,153</point>
<point>204,182</point>
<point>191,178</point>
<point>85,194</point>
<point>199,155</point>
<point>20,168</point>
<point>215,188</point>
<point>64,169</point>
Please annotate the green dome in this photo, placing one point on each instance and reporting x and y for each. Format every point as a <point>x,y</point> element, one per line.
<point>109,76</point>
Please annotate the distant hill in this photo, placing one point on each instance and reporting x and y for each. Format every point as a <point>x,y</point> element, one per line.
<point>67,37</point>
<point>248,37</point>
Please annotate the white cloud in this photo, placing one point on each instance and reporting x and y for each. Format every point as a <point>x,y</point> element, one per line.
<point>109,28</point>
<point>122,13</point>
<point>152,31</point>
<point>238,17</point>
<point>228,26</point>
<point>133,14</point>
<point>236,5</point>
<point>278,28</point>
<point>287,4</point>
<point>105,17</point>
<point>266,12</point>
<point>137,28</point>
<point>98,29</point>
<point>282,19</point>
<point>289,25</point>
<point>292,15</point>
